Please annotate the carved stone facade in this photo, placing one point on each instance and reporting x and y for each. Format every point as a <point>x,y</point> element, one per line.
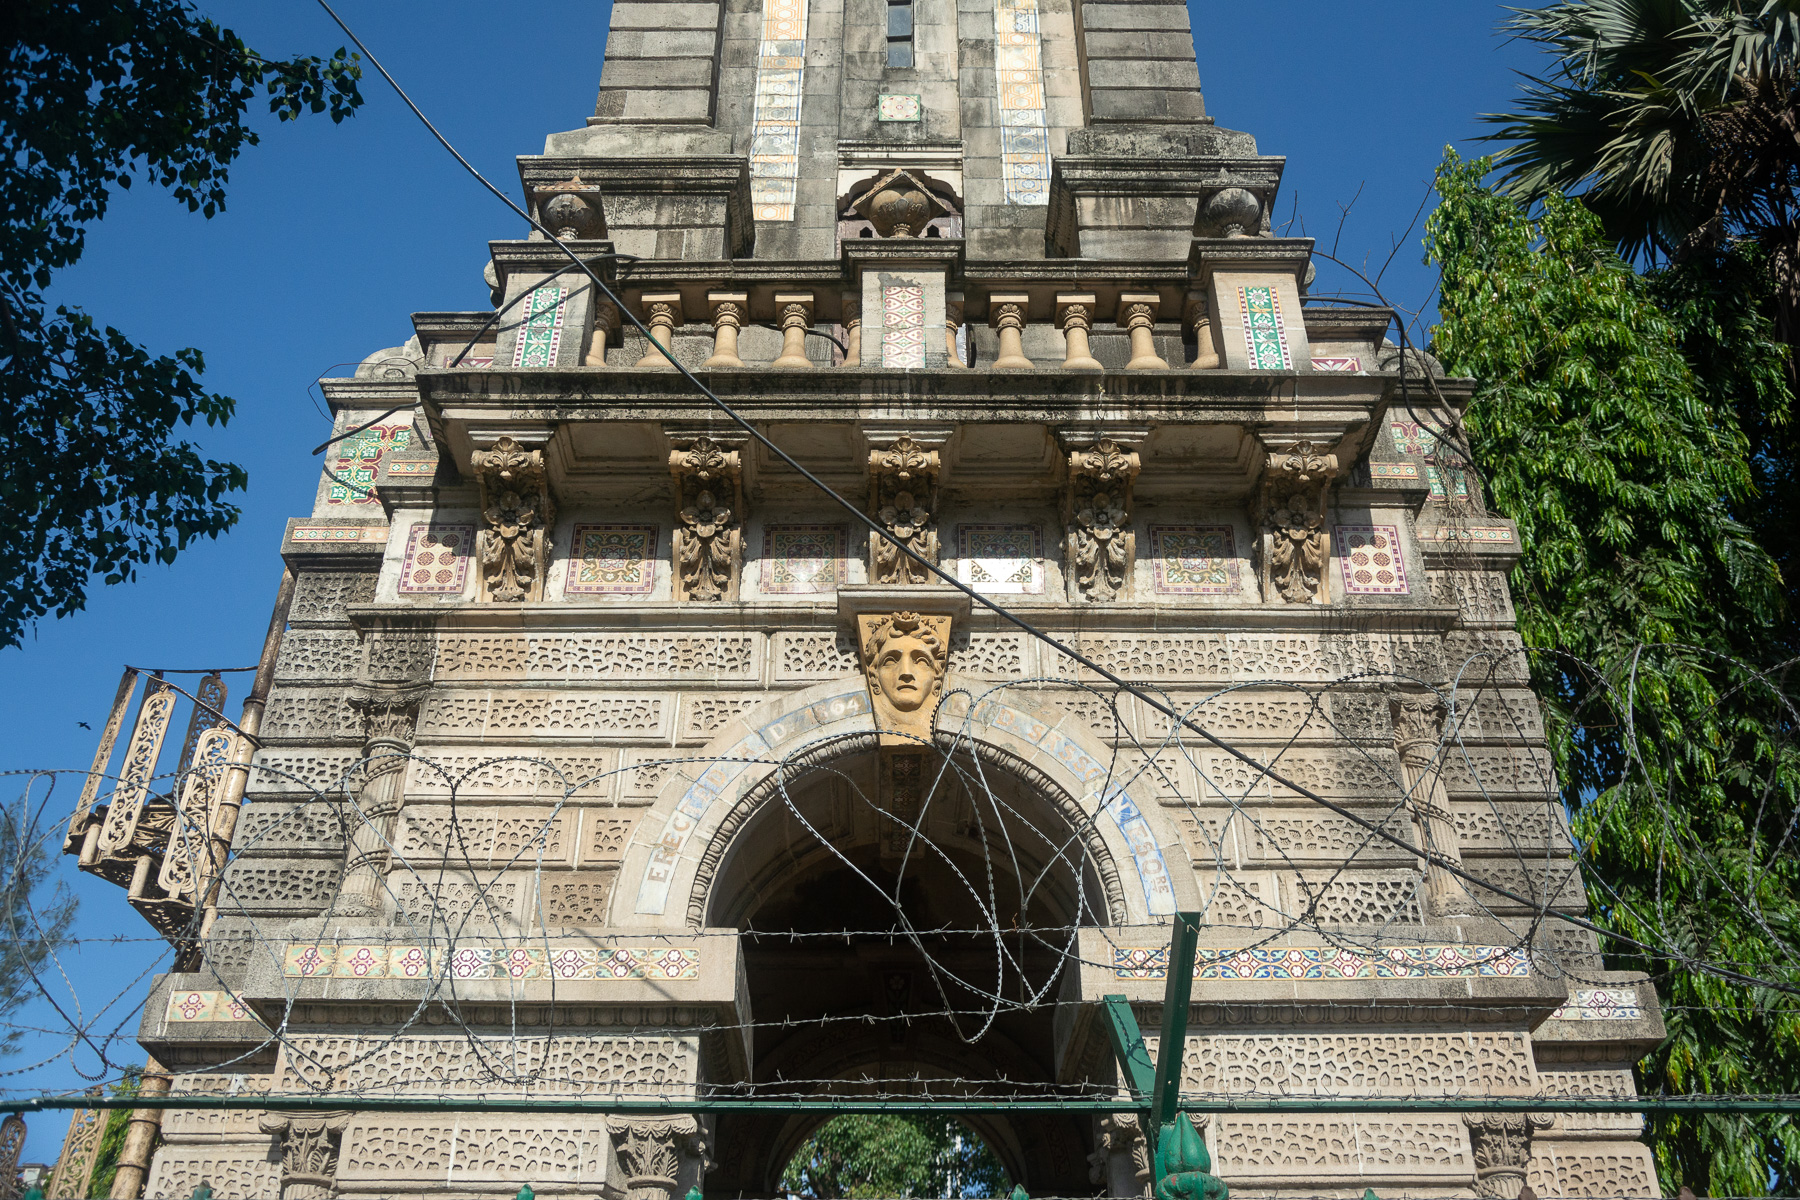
<point>608,755</point>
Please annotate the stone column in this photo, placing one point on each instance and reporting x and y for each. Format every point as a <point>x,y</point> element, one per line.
<point>953,321</point>
<point>903,481</point>
<point>389,719</point>
<point>1097,516</point>
<point>1206,349</point>
<point>606,319</point>
<point>1075,313</point>
<point>1007,313</point>
<point>852,332</point>
<point>1501,1145</point>
<point>309,1151</point>
<point>1120,1163</point>
<point>662,312</point>
<point>513,551</point>
<point>796,311</point>
<point>728,310</point>
<point>1289,513</point>
<point>140,1135</point>
<point>1137,312</point>
<point>709,549</point>
<point>656,1153</point>
<point>1418,731</point>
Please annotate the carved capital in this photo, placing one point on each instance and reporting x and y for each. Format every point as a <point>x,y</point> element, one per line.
<point>309,1151</point>
<point>655,1152</point>
<point>1290,514</point>
<point>1501,1145</point>
<point>1120,1162</point>
<point>516,504</point>
<point>903,497</point>
<point>708,547</point>
<point>1101,543</point>
<point>905,656</point>
<point>1418,719</point>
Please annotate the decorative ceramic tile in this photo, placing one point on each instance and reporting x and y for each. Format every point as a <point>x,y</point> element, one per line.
<point>1328,962</point>
<point>540,327</point>
<point>356,459</point>
<point>1600,1004</point>
<point>339,533</point>
<point>470,360</point>
<point>192,1008</point>
<point>1393,470</point>
<point>1265,332</point>
<point>437,559</point>
<point>903,326</point>
<point>1467,533</point>
<point>1412,438</point>
<point>1001,560</point>
<point>1370,558</point>
<point>390,961</point>
<point>775,128</point>
<point>804,560</point>
<point>1193,560</point>
<point>1349,364</point>
<point>898,108</point>
<point>1019,78</point>
<point>612,560</point>
<point>1458,481</point>
<point>413,467</point>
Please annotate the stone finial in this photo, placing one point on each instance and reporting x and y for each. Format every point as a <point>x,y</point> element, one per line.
<point>953,322</point>
<point>1101,542</point>
<point>795,311</point>
<point>852,331</point>
<point>728,312</point>
<point>1232,212</point>
<point>1007,314</point>
<point>903,497</point>
<point>515,502</point>
<point>606,319</point>
<point>1137,312</point>
<point>662,312</point>
<point>1290,514</point>
<point>1075,314</point>
<point>899,205</point>
<point>571,210</point>
<point>1501,1146</point>
<point>905,656</point>
<point>709,547</point>
<point>1206,347</point>
<point>309,1151</point>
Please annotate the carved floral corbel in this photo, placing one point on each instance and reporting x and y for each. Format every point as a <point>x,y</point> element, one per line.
<point>903,489</point>
<point>1101,543</point>
<point>515,502</point>
<point>709,544</point>
<point>309,1151</point>
<point>1290,515</point>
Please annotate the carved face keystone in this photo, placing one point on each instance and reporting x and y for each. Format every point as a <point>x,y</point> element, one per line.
<point>906,673</point>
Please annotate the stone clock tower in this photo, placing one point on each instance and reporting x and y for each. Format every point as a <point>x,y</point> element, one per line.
<point>604,754</point>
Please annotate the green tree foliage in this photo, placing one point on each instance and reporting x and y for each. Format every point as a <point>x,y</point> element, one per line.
<point>94,94</point>
<point>854,1158</point>
<point>1605,425</point>
<point>35,914</point>
<point>112,1138</point>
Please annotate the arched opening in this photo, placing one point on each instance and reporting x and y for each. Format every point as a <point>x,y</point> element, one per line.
<point>895,1155</point>
<point>911,956</point>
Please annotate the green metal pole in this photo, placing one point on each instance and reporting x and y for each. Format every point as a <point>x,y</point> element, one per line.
<point>1178,986</point>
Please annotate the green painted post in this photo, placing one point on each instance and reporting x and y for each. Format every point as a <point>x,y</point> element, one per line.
<point>1018,1193</point>
<point>1133,1055</point>
<point>694,1193</point>
<point>525,1193</point>
<point>203,1192</point>
<point>1178,986</point>
<point>34,1192</point>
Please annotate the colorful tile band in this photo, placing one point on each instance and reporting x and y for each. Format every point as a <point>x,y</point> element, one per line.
<point>775,128</point>
<point>1019,77</point>
<point>1328,962</point>
<point>1600,1004</point>
<point>1265,333</point>
<point>401,961</point>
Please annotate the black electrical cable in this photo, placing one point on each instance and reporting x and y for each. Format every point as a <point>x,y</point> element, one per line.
<point>1263,770</point>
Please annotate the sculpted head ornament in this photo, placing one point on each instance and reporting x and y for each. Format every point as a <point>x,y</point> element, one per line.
<point>905,658</point>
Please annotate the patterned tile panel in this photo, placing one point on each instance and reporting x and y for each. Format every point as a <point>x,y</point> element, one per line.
<point>192,1008</point>
<point>401,961</point>
<point>339,533</point>
<point>1019,76</point>
<point>775,133</point>
<point>1347,364</point>
<point>437,560</point>
<point>1265,330</point>
<point>903,326</point>
<point>1328,962</point>
<point>1600,1004</point>
<point>1393,470</point>
<point>804,560</point>
<point>898,107</point>
<point>1193,560</point>
<point>1410,437</point>
<point>540,328</point>
<point>1001,560</point>
<point>357,459</point>
<point>1468,533</point>
<point>612,560</point>
<point>1370,559</point>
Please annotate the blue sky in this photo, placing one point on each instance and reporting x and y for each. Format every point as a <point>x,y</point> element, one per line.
<point>335,234</point>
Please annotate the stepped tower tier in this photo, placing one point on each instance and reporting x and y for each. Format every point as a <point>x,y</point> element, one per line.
<point>600,753</point>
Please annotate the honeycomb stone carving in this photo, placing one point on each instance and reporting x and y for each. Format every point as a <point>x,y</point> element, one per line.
<point>1358,1064</point>
<point>1279,837</point>
<point>606,837</point>
<point>1353,897</point>
<point>326,596</point>
<point>991,655</point>
<point>276,826</point>
<point>578,899</point>
<point>214,1124</point>
<point>1347,772</point>
<point>817,656</point>
<point>1154,656</point>
<point>483,838</point>
<point>1159,774</point>
<point>644,773</point>
<point>1237,901</point>
<point>1503,716</point>
<point>241,1172</point>
<point>1480,594</point>
<point>1241,714</point>
<point>462,1066</point>
<point>311,772</point>
<point>1580,1169</point>
<point>469,906</point>
<point>1596,1085</point>
<point>319,655</point>
<point>1488,656</point>
<point>309,715</point>
<point>253,887</point>
<point>401,655</point>
<point>549,714</point>
<point>1276,1149</point>
<point>1481,826</point>
<point>597,656</point>
<point>518,773</point>
<point>1555,882</point>
<point>703,716</point>
<point>1471,772</point>
<point>535,1150</point>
